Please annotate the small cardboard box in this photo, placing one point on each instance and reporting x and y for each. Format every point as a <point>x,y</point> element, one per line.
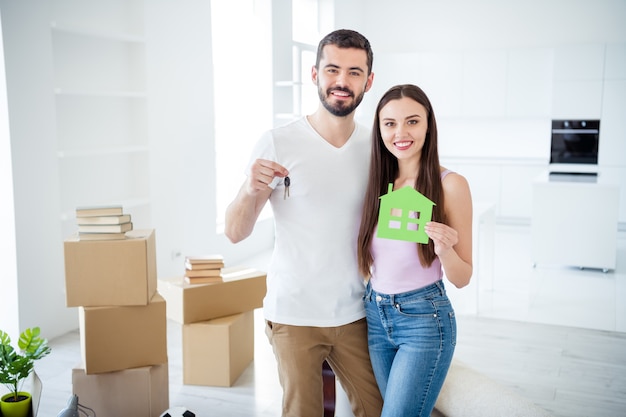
<point>243,289</point>
<point>216,352</point>
<point>111,272</point>
<point>120,337</point>
<point>137,392</point>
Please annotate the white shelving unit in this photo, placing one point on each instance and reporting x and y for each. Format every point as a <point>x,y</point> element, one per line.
<point>101,106</point>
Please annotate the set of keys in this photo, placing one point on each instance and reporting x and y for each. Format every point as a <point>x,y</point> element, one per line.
<point>287,182</point>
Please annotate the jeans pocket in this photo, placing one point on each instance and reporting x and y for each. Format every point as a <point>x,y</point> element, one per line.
<point>422,308</point>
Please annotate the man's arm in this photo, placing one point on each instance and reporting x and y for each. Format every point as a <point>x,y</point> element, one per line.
<point>243,212</point>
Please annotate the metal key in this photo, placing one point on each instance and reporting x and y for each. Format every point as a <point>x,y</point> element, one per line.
<point>287,182</point>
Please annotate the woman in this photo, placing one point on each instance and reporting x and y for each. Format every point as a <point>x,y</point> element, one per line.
<point>411,322</point>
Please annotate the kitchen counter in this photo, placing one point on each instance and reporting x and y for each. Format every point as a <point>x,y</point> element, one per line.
<point>575,221</point>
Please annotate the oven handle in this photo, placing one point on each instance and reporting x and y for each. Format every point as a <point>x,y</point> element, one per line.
<point>574,131</point>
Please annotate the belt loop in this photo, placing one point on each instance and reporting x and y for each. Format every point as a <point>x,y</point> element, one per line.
<point>368,291</point>
<point>442,289</point>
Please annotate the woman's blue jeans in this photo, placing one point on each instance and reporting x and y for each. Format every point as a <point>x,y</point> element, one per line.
<point>411,339</point>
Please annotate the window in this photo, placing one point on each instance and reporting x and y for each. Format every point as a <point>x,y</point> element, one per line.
<point>306,36</point>
<point>242,56</point>
<point>247,103</point>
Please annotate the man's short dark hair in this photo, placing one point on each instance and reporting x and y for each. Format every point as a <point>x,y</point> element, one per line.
<point>346,38</point>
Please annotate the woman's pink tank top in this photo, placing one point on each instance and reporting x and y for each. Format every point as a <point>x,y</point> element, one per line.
<point>397,268</point>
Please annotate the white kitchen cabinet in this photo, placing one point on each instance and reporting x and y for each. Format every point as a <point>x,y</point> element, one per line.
<point>574,221</point>
<point>485,94</point>
<point>578,79</point>
<point>516,189</point>
<point>505,182</point>
<point>529,82</point>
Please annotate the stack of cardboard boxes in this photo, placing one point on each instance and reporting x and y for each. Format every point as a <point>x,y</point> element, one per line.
<point>217,323</point>
<point>123,325</point>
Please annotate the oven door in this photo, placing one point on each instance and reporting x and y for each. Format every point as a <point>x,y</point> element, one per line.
<point>575,141</point>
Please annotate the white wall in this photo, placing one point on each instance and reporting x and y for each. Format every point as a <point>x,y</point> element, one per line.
<point>8,256</point>
<point>497,74</point>
<point>408,25</point>
<point>39,242</point>
<point>468,51</point>
<point>180,120</point>
<point>182,130</point>
<point>181,206</point>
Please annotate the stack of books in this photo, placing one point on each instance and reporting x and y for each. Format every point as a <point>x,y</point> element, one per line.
<point>203,269</point>
<point>102,223</point>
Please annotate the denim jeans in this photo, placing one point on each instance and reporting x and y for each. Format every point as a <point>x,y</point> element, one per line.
<point>411,339</point>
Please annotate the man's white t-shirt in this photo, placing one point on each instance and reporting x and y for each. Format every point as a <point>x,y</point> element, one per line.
<point>313,279</point>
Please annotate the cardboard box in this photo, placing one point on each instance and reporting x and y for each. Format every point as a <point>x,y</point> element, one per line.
<point>111,272</point>
<point>120,337</point>
<point>137,392</point>
<point>216,352</point>
<point>243,289</point>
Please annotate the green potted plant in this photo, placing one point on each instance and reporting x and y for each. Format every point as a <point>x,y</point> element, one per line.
<point>15,366</point>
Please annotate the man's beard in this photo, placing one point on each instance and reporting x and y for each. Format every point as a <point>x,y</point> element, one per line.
<point>339,110</point>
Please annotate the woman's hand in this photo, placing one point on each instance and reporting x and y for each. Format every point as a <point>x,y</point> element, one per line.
<point>443,236</point>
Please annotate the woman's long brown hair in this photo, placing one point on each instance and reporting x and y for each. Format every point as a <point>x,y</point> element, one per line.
<point>384,170</point>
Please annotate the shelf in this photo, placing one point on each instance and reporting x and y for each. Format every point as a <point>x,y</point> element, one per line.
<point>127,204</point>
<point>99,93</point>
<point>286,116</point>
<point>122,150</point>
<point>104,179</point>
<point>100,90</point>
<point>82,31</point>
<point>288,83</point>
<point>98,65</point>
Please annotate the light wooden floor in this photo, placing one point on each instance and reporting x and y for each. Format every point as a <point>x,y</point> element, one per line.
<point>571,362</point>
<point>571,372</point>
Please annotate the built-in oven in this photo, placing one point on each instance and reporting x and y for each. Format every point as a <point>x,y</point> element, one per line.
<point>574,146</point>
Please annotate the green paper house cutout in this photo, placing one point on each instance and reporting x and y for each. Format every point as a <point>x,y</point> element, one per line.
<point>403,214</point>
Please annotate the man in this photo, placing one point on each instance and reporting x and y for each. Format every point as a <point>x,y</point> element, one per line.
<point>314,172</point>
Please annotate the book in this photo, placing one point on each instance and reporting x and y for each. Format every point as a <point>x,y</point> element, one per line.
<point>105,228</point>
<point>101,236</point>
<point>204,259</point>
<point>203,280</point>
<point>203,273</point>
<point>99,211</point>
<point>204,262</point>
<point>105,220</point>
<point>198,267</point>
